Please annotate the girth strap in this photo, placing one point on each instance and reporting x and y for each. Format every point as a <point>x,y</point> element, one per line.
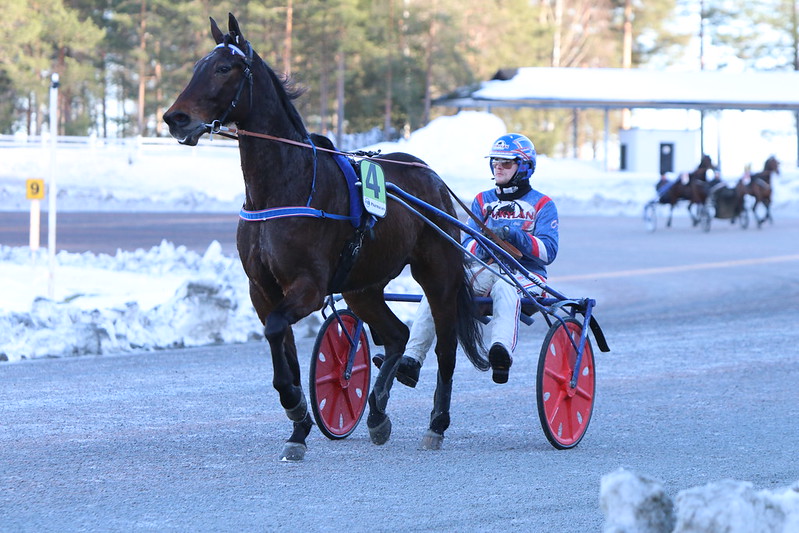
<point>290,211</point>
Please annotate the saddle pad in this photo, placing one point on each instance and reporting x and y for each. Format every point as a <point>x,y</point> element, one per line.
<point>356,205</point>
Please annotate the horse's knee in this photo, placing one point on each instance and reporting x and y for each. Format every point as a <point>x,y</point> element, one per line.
<point>275,327</point>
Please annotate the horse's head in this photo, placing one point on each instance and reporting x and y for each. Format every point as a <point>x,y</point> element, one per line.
<point>220,90</point>
<point>705,164</point>
<point>772,165</point>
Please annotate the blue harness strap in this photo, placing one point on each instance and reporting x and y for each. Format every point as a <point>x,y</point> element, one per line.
<point>287,212</point>
<point>355,204</point>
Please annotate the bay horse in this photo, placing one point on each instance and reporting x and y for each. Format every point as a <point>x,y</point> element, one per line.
<point>700,185</point>
<point>759,186</point>
<point>671,192</point>
<point>292,261</point>
<point>690,186</point>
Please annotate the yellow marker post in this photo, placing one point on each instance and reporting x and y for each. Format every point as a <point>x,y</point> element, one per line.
<point>34,191</point>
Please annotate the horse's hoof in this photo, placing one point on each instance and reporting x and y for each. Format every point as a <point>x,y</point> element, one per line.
<point>431,441</point>
<point>293,452</point>
<point>380,433</point>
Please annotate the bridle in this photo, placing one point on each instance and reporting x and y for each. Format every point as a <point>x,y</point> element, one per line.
<point>216,126</point>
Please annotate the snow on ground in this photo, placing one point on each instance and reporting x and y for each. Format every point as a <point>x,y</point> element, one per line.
<point>171,297</point>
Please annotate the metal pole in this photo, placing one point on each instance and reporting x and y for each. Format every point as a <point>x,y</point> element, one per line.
<point>52,190</point>
<point>607,135</point>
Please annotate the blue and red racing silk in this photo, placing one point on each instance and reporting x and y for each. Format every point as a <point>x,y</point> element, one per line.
<point>533,223</point>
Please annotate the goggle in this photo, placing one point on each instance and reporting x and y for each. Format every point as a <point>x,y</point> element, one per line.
<point>507,164</point>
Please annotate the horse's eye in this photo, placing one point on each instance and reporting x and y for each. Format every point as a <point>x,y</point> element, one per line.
<point>224,69</point>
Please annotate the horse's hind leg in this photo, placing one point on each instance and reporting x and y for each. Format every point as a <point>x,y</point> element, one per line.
<point>371,307</point>
<point>443,300</point>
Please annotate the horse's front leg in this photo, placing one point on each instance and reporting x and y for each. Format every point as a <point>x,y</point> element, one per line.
<point>299,301</point>
<point>694,217</point>
<point>754,213</point>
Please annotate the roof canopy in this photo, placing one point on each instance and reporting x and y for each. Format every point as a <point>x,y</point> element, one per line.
<point>614,88</point>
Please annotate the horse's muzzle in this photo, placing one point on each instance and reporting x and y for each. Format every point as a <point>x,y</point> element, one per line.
<point>183,128</point>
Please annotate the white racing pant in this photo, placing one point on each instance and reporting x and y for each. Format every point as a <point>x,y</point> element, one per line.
<point>504,320</point>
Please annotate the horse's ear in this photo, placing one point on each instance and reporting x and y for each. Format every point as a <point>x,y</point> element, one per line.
<point>235,32</point>
<point>216,32</point>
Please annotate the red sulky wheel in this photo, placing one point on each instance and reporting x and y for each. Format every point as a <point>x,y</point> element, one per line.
<point>339,403</point>
<point>564,411</point>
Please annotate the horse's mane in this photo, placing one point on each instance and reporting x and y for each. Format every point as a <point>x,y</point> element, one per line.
<point>287,90</point>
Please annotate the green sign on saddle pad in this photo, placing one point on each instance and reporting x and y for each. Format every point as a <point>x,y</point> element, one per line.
<point>373,188</point>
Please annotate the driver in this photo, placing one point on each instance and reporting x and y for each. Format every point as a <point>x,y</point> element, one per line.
<point>518,214</point>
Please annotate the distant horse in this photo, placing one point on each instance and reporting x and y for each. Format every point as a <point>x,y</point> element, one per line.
<point>691,186</point>
<point>671,192</point>
<point>292,260</point>
<point>700,185</point>
<point>759,186</point>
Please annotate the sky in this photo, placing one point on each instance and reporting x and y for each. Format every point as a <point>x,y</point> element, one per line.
<point>172,297</point>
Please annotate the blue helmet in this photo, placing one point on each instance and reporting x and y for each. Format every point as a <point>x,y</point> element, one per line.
<point>519,148</point>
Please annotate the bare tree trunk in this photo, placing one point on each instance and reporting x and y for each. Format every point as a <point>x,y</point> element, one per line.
<point>340,101</point>
<point>104,95</point>
<point>40,111</point>
<point>324,79</point>
<point>627,54</point>
<point>556,35</point>
<point>288,38</point>
<point>29,112</point>
<point>795,37</point>
<point>795,34</point>
<point>159,91</point>
<point>429,51</point>
<point>142,65</point>
<point>389,76</point>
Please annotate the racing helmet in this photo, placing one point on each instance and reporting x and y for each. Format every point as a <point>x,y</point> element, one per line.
<point>516,147</point>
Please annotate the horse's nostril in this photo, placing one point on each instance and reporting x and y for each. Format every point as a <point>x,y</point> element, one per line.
<point>176,118</point>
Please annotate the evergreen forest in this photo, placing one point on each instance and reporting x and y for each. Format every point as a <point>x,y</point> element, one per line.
<point>365,65</point>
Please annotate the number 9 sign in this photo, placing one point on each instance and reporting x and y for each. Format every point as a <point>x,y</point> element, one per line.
<point>34,189</point>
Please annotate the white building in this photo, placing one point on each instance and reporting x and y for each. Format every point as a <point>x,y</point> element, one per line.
<point>659,151</point>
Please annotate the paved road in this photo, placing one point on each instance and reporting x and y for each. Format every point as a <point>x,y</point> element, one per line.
<point>103,232</point>
<point>700,386</point>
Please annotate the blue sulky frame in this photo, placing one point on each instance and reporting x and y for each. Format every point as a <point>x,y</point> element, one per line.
<point>555,307</point>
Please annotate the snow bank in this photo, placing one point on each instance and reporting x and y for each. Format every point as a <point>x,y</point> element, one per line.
<point>165,297</point>
<point>635,503</point>
<point>201,299</point>
<point>169,297</point>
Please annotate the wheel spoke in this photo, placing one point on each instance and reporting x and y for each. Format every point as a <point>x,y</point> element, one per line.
<point>584,393</point>
<point>324,379</point>
<point>555,409</point>
<point>558,378</point>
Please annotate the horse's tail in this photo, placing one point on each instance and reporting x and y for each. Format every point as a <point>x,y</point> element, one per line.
<point>469,329</point>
